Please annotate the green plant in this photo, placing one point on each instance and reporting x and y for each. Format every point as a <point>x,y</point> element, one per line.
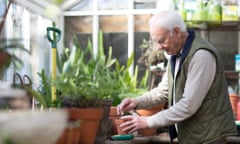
<point>6,140</point>
<point>150,55</point>
<point>129,84</point>
<point>86,80</point>
<point>43,92</point>
<point>8,46</point>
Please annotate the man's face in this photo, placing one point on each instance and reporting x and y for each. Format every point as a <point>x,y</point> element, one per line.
<point>165,40</point>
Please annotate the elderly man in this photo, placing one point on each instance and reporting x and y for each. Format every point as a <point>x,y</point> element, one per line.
<point>194,87</point>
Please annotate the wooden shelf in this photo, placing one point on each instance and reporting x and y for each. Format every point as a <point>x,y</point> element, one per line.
<point>214,25</point>
<point>231,75</point>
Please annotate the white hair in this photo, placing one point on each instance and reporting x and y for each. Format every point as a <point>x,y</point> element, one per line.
<point>168,20</point>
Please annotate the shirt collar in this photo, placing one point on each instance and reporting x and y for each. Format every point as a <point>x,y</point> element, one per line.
<point>184,51</point>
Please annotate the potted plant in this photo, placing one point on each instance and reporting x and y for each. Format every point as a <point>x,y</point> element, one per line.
<point>86,82</point>
<point>130,86</point>
<point>83,83</point>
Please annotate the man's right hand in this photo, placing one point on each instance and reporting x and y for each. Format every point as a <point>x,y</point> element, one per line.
<point>126,105</point>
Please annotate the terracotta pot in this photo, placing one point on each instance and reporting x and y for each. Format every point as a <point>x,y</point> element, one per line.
<point>4,58</point>
<point>116,122</point>
<point>112,116</point>
<point>116,126</point>
<point>4,62</point>
<point>113,112</point>
<point>234,100</point>
<point>104,128</point>
<point>149,112</point>
<point>86,132</point>
<point>72,132</point>
<point>70,136</point>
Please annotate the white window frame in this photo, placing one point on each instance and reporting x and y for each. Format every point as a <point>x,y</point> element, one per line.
<point>96,13</point>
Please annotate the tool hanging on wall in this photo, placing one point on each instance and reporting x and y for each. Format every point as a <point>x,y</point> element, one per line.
<point>53,35</point>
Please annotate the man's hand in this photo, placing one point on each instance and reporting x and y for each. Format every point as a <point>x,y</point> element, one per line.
<point>126,105</point>
<point>133,123</point>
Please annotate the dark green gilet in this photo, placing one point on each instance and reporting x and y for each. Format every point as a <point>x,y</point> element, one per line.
<point>214,119</point>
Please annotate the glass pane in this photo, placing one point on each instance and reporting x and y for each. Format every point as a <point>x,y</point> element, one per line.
<point>139,52</point>
<point>115,29</point>
<point>119,43</point>
<point>83,5</point>
<point>83,39</point>
<point>112,4</point>
<point>141,23</point>
<point>114,23</point>
<point>141,33</point>
<point>74,25</point>
<point>141,4</point>
<point>3,6</point>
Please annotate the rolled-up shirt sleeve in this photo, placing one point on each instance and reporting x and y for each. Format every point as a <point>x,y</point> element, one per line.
<point>201,72</point>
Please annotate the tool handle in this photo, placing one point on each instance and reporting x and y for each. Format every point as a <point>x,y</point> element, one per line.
<point>54,72</point>
<point>27,80</point>
<point>16,76</point>
<point>50,35</point>
<point>122,137</point>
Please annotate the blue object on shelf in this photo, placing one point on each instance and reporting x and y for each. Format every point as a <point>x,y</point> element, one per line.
<point>122,137</point>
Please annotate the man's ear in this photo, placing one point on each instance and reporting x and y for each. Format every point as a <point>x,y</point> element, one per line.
<point>177,31</point>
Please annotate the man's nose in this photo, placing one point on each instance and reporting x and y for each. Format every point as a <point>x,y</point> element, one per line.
<point>159,46</point>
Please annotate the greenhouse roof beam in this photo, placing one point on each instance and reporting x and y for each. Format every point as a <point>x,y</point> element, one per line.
<point>38,7</point>
<point>69,4</point>
<point>110,12</point>
<point>145,1</point>
<point>42,3</point>
<point>31,6</point>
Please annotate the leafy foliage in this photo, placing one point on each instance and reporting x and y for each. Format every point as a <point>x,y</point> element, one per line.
<point>8,46</point>
<point>86,80</point>
<point>43,94</point>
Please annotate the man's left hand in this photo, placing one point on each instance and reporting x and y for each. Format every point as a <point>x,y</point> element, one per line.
<point>133,123</point>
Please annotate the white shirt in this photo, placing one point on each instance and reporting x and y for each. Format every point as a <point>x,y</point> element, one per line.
<point>201,72</point>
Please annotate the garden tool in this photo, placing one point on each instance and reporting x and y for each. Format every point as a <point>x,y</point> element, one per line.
<point>22,82</point>
<point>53,35</point>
